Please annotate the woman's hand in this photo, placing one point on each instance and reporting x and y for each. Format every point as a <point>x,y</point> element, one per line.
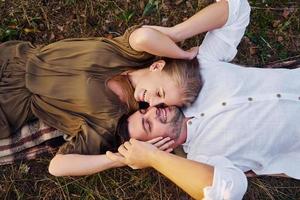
<point>193,52</point>
<point>135,153</point>
<point>163,144</point>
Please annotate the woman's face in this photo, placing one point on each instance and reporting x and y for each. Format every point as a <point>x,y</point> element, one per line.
<point>157,87</point>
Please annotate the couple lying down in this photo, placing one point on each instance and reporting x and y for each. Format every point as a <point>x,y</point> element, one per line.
<point>241,119</point>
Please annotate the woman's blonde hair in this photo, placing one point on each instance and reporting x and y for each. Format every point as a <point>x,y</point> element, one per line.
<point>186,73</point>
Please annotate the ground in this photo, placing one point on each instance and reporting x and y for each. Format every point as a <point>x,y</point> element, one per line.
<point>273,36</point>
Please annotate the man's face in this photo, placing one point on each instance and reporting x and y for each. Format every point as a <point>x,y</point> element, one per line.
<point>155,122</point>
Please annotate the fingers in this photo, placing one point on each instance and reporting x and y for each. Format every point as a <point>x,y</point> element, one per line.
<point>169,150</point>
<point>193,52</point>
<point>159,142</point>
<point>162,142</point>
<point>122,150</point>
<point>133,167</point>
<point>166,146</point>
<point>127,145</point>
<point>132,141</point>
<point>154,140</point>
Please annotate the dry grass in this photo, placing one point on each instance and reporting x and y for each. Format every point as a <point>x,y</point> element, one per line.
<point>273,35</point>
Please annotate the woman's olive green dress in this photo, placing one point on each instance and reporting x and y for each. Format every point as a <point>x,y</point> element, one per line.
<point>63,84</point>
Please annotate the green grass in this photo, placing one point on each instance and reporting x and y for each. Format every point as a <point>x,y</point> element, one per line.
<point>273,35</point>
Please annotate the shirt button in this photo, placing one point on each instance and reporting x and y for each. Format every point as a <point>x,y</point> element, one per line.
<point>190,123</point>
<point>202,114</point>
<point>278,95</point>
<point>224,104</point>
<point>250,99</point>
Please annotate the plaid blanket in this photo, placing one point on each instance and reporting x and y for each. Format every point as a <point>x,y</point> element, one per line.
<point>29,142</point>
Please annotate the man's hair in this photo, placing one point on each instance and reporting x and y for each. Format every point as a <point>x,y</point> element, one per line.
<point>122,132</point>
<point>186,74</point>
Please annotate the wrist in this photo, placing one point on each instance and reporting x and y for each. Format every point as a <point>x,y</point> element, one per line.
<point>177,34</point>
<point>187,55</point>
<point>109,163</point>
<point>153,157</point>
<point>174,33</point>
<point>115,164</point>
<point>190,56</point>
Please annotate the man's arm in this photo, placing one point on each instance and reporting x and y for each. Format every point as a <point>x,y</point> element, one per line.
<point>219,179</point>
<point>160,41</point>
<point>79,165</point>
<point>191,176</point>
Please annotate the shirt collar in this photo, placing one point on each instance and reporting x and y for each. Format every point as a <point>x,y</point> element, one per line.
<point>189,134</point>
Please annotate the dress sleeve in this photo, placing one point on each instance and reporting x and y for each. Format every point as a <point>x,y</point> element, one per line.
<point>221,44</point>
<point>87,142</point>
<point>121,45</point>
<point>229,182</point>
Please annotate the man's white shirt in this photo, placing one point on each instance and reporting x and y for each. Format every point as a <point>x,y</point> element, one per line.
<point>244,118</point>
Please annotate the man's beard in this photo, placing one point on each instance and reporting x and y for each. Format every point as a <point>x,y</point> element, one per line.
<point>176,123</point>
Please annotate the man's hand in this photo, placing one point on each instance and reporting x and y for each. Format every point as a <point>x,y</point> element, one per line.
<point>134,153</point>
<point>137,154</point>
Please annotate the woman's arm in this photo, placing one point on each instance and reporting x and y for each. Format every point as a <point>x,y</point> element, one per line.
<point>209,18</point>
<point>161,41</point>
<point>159,44</point>
<point>225,21</point>
<point>79,165</point>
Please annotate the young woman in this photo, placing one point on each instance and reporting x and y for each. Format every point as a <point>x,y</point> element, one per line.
<point>83,86</point>
<point>165,38</point>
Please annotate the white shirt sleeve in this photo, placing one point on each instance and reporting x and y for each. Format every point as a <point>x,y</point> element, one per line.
<point>221,44</point>
<point>229,182</point>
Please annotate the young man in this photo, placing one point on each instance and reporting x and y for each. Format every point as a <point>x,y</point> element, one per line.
<point>220,148</point>
<point>243,119</point>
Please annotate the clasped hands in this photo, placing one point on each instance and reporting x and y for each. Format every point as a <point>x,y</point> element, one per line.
<point>137,154</point>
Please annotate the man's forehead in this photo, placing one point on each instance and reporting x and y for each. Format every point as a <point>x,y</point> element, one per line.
<point>134,121</point>
<point>133,118</point>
